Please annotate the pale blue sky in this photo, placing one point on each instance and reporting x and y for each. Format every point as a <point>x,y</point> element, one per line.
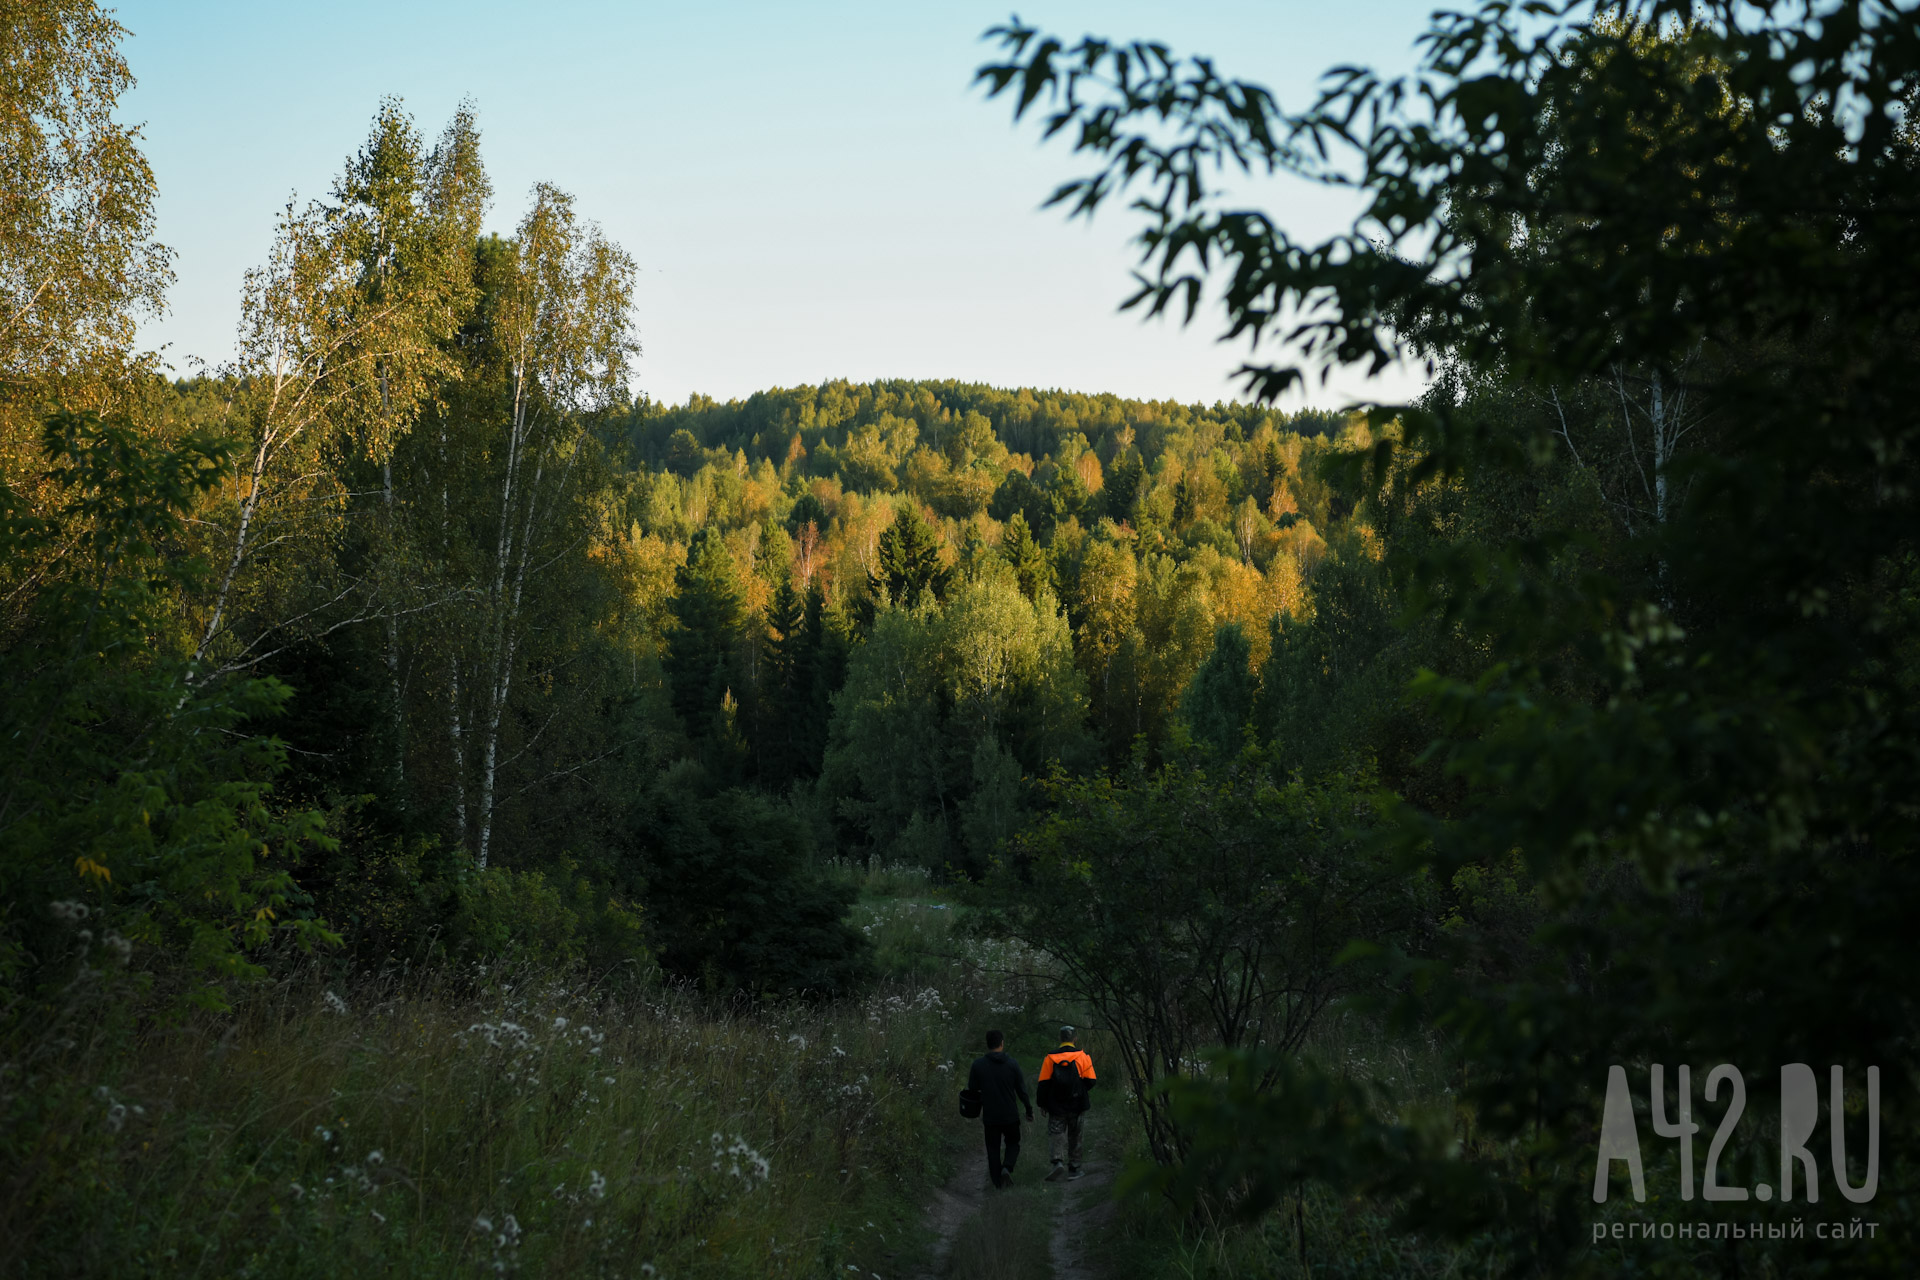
<point>810,190</point>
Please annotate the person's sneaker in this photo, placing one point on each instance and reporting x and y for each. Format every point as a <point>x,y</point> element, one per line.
<point>1074,1173</point>
<point>1056,1173</point>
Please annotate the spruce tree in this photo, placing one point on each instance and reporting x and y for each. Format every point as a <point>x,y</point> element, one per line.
<point>709,614</point>
<point>822,670</point>
<point>1025,555</point>
<point>1218,702</point>
<point>1123,486</point>
<point>785,691</point>
<point>909,560</point>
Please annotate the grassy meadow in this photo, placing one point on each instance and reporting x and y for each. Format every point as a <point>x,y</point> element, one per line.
<point>505,1120</point>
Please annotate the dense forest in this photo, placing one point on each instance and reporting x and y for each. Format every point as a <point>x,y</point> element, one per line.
<point>1407,796</point>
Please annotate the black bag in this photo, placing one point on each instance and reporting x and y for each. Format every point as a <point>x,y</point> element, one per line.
<point>969,1104</point>
<point>1069,1092</point>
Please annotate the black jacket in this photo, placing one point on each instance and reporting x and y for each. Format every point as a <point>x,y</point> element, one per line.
<point>998,1080</point>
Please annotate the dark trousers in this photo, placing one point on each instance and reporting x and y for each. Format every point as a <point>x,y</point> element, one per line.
<point>997,1134</point>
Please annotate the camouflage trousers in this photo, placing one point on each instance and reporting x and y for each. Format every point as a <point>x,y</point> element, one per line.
<point>1063,1138</point>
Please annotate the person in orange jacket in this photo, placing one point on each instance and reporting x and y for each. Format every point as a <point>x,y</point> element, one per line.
<point>1066,1076</point>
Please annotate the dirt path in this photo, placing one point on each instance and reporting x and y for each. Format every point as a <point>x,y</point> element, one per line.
<point>952,1206</point>
<point>1066,1217</point>
<point>1085,1208</point>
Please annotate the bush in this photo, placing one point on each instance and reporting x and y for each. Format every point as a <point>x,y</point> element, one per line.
<point>733,897</point>
<point>135,814</point>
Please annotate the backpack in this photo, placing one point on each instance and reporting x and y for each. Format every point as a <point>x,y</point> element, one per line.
<point>1069,1092</point>
<point>969,1104</point>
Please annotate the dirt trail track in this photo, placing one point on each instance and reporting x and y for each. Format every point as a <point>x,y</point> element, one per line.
<point>1080,1209</point>
<point>1085,1208</point>
<point>952,1206</point>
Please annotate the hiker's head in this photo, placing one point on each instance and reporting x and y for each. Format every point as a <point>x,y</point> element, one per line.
<point>1066,1035</point>
<point>995,1040</point>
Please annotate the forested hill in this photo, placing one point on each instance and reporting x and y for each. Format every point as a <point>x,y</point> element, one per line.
<point>1026,420</point>
<point>1403,800</point>
<point>1148,523</point>
<point>1095,544</point>
<point>608,686</point>
<point>505,662</point>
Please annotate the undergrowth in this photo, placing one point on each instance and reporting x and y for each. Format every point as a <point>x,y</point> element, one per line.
<point>1315,1233</point>
<point>454,1121</point>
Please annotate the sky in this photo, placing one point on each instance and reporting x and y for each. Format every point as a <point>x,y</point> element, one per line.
<point>810,191</point>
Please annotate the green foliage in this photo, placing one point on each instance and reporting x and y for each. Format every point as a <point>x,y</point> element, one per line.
<point>76,241</point>
<point>1190,910</point>
<point>1333,677</point>
<point>1692,722</point>
<point>1218,703</point>
<point>733,898</point>
<point>943,710</point>
<point>908,562</point>
<point>132,799</point>
<point>1029,563</point>
<point>708,612</point>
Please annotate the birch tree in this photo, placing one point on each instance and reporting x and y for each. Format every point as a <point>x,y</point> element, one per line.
<point>340,343</point>
<point>560,327</point>
<point>408,220</point>
<point>78,261</point>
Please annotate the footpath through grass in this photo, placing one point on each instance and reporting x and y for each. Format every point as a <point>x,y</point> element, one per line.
<point>461,1121</point>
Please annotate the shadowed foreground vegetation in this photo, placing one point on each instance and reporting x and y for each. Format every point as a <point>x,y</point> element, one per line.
<point>457,813</point>
<point>519,1119</point>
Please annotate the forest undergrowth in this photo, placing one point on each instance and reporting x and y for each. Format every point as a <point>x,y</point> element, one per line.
<point>1316,1232</point>
<point>505,1119</point>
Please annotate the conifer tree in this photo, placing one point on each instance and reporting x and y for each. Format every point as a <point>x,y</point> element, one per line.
<point>1123,486</point>
<point>1024,554</point>
<point>785,685</point>
<point>819,672</point>
<point>709,613</point>
<point>1219,700</point>
<point>909,560</point>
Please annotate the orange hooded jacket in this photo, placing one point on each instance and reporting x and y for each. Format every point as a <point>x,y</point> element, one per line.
<point>1067,1052</point>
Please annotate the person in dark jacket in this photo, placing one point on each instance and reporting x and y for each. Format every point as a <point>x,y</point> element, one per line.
<point>1066,1075</point>
<point>1000,1082</point>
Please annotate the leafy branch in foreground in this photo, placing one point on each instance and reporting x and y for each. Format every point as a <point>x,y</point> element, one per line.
<point>1698,737</point>
<point>1528,197</point>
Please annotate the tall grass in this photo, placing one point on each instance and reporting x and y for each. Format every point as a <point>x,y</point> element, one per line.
<point>445,1123</point>
<point>879,878</point>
